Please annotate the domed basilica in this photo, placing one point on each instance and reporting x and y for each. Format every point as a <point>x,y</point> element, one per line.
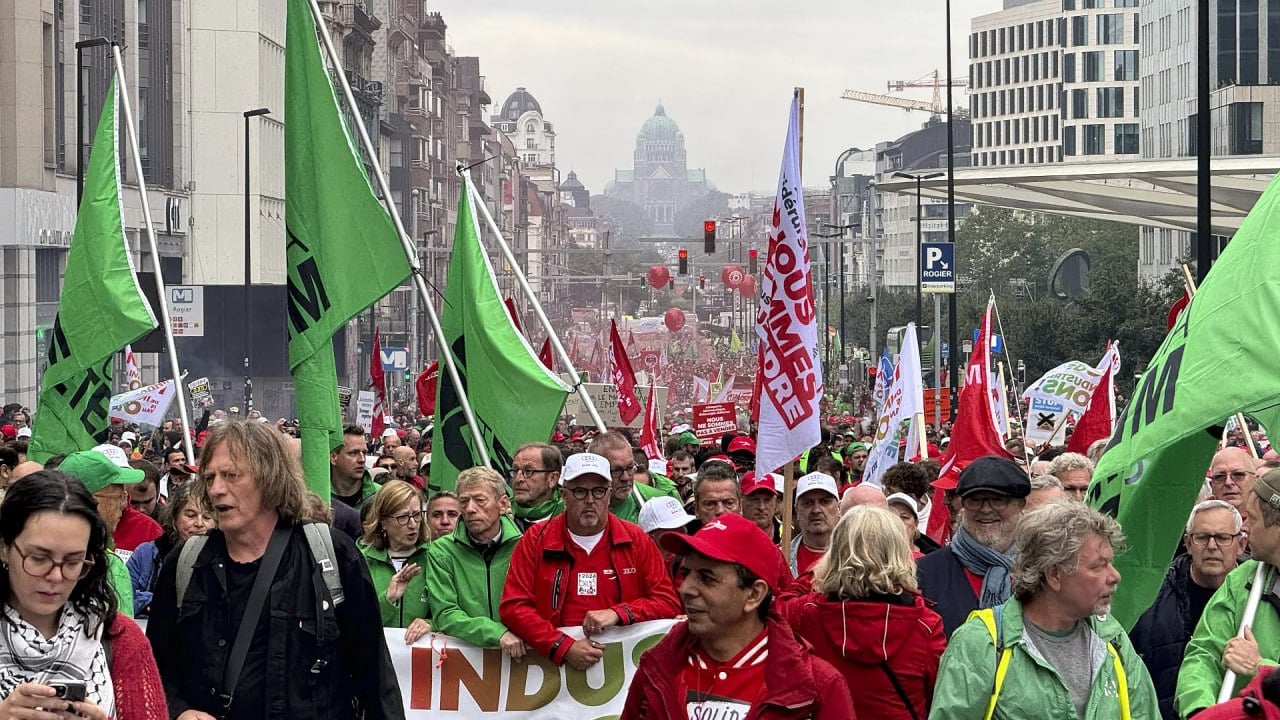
<point>660,180</point>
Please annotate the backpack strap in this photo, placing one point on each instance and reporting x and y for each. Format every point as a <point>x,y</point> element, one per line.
<point>1122,681</point>
<point>320,540</point>
<point>186,563</point>
<point>992,617</point>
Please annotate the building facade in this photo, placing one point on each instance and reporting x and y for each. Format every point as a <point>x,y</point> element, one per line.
<point>660,180</point>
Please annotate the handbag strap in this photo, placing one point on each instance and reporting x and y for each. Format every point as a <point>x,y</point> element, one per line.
<point>897,686</point>
<point>252,612</point>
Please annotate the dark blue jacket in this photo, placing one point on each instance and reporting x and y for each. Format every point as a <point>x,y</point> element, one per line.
<point>1163,631</point>
<point>942,580</point>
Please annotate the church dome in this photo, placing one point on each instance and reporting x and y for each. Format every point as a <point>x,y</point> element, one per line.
<point>519,103</point>
<point>572,182</point>
<point>660,127</point>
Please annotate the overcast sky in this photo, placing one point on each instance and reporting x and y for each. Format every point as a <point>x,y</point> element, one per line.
<point>723,69</point>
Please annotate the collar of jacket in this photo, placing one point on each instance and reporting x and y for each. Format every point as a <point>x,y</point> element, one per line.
<point>1104,628</point>
<point>510,533</point>
<point>556,537</point>
<point>382,554</point>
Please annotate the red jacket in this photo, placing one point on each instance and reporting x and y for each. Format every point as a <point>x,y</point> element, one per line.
<point>866,639</point>
<point>797,685</point>
<point>541,577</point>
<point>139,692</point>
<point>134,529</point>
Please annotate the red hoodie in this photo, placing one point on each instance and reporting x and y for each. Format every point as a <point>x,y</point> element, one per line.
<point>865,640</point>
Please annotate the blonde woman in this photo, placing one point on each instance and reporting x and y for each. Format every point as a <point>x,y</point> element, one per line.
<point>866,617</point>
<point>395,547</point>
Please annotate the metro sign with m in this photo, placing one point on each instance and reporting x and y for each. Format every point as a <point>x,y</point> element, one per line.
<point>395,358</point>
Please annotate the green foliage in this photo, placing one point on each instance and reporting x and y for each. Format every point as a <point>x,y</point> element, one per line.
<point>688,221</point>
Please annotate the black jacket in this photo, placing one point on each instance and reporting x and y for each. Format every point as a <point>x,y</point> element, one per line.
<point>943,581</point>
<point>321,662</point>
<point>1162,632</point>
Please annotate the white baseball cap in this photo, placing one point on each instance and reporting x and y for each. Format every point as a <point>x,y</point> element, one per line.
<point>389,431</point>
<point>585,464</point>
<point>114,453</point>
<point>663,513</point>
<point>24,432</point>
<point>817,481</point>
<point>658,466</point>
<point>129,437</point>
<point>905,499</point>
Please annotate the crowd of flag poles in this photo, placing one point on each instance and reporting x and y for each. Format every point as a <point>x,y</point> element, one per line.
<point>496,392</point>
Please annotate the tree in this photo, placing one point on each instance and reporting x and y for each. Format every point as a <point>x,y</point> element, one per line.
<point>688,220</point>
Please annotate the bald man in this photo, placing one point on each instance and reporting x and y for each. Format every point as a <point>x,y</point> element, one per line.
<point>1231,476</point>
<point>406,465</point>
<point>861,495</point>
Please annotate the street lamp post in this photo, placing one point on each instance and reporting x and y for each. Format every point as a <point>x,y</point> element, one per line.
<point>248,278</point>
<point>919,240</point>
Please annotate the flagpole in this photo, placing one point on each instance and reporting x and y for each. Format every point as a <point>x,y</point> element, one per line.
<point>537,306</point>
<point>387,199</point>
<point>155,254</point>
<point>788,471</point>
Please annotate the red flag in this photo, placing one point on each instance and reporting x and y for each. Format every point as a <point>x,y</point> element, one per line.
<point>426,387</point>
<point>975,432</point>
<point>623,378</point>
<point>377,383</point>
<point>1176,309</point>
<point>1099,418</point>
<point>649,433</point>
<point>515,317</point>
<point>545,355</point>
<point>757,385</point>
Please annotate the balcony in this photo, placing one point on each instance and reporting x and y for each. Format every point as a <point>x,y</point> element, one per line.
<point>354,15</point>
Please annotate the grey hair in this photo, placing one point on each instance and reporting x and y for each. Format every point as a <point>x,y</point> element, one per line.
<point>1051,536</point>
<point>1214,505</point>
<point>1066,462</point>
<point>1042,482</point>
<point>483,477</point>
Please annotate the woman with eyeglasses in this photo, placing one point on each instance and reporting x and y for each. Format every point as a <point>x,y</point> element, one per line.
<point>65,650</point>
<point>395,547</point>
<point>184,516</point>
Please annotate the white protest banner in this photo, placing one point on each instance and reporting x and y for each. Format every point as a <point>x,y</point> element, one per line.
<point>132,375</point>
<point>1063,391</point>
<point>365,401</point>
<point>344,401</point>
<point>790,371</point>
<point>145,406</point>
<point>441,675</point>
<point>605,397</point>
<point>904,398</point>
<point>201,395</point>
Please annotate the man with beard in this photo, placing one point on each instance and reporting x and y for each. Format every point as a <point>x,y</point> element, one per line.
<point>535,480</point>
<point>973,571</point>
<point>855,458</point>
<point>1052,650</point>
<point>817,510</point>
<point>680,470</point>
<point>583,567</point>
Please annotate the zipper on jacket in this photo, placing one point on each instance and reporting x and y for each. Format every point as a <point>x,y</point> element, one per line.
<point>555,590</point>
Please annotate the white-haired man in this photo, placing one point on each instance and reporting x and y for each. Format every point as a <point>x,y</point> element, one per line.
<point>1074,471</point>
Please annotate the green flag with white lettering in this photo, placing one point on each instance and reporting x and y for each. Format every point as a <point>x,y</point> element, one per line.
<point>1214,362</point>
<point>342,253</point>
<point>101,309</point>
<point>514,397</point>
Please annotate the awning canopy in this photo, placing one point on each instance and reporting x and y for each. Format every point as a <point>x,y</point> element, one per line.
<point>1160,193</point>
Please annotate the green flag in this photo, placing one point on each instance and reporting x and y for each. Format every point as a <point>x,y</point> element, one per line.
<point>1213,363</point>
<point>101,309</point>
<point>343,252</point>
<point>735,342</point>
<point>514,397</point>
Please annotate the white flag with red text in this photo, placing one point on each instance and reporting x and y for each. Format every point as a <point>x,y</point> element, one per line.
<point>790,372</point>
<point>132,375</point>
<point>895,422</point>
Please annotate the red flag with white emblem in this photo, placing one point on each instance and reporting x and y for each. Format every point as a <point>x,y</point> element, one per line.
<point>377,383</point>
<point>622,377</point>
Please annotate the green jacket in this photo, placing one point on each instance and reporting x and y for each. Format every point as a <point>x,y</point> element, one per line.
<point>118,575</point>
<point>548,508</point>
<point>629,510</point>
<point>413,604</point>
<point>465,588</point>
<point>665,484</point>
<point>1032,688</point>
<point>368,488</point>
<point>1201,675</point>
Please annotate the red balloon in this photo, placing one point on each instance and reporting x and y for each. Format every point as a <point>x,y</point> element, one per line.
<point>748,285</point>
<point>673,318</point>
<point>659,276</point>
<point>732,276</point>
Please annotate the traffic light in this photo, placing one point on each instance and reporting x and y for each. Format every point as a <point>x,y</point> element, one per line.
<point>753,262</point>
<point>408,376</point>
<point>702,282</point>
<point>709,236</point>
<point>684,261</point>
<point>671,284</point>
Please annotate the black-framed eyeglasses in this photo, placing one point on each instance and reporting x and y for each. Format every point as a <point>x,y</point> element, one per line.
<point>997,502</point>
<point>618,472</point>
<point>41,565</point>
<point>1236,476</point>
<point>409,518</point>
<point>580,493</point>
<point>528,471</point>
<point>1202,539</point>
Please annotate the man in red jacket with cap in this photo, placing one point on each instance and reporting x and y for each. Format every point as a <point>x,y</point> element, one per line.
<point>733,657</point>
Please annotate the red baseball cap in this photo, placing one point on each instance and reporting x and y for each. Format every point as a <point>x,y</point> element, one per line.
<point>752,482</point>
<point>733,539</point>
<point>8,431</point>
<point>1248,705</point>
<point>742,443</point>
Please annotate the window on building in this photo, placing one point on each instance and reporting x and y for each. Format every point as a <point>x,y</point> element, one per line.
<point>1273,47</point>
<point>1110,29</point>
<point>1126,65</point>
<point>1068,4</point>
<point>1091,63</point>
<point>1110,102</point>
<point>1094,141</point>
<point>1249,42</point>
<point>1126,3</point>
<point>1126,139</point>
<point>1246,128</point>
<point>1227,43</point>
<point>531,127</point>
<point>1079,30</point>
<point>1079,104</point>
<point>1069,141</point>
<point>1069,67</point>
<point>49,273</point>
<point>1087,4</point>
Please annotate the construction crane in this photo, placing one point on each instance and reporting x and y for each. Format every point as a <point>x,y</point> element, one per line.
<point>937,107</point>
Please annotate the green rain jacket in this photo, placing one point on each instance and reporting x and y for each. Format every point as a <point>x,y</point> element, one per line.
<point>465,587</point>
<point>413,604</point>
<point>1201,675</point>
<point>1032,688</point>
<point>629,510</point>
<point>118,576</point>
